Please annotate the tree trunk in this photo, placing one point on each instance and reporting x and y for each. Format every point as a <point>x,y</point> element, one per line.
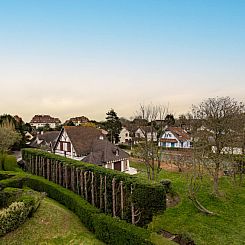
<point>85,186</point>
<point>92,187</point>
<point>113,198</point>
<point>132,207</point>
<point>121,192</point>
<point>101,194</point>
<point>216,182</point>
<point>105,195</point>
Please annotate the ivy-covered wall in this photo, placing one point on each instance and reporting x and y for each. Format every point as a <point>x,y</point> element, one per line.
<point>113,192</point>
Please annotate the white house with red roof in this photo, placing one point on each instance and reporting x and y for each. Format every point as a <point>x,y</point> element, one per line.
<point>43,120</point>
<point>175,137</point>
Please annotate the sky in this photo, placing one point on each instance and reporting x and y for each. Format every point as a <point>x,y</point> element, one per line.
<point>72,58</point>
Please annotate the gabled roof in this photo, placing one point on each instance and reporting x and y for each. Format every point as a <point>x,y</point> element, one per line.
<point>103,151</point>
<point>179,133</point>
<point>82,137</point>
<point>49,137</point>
<point>46,138</point>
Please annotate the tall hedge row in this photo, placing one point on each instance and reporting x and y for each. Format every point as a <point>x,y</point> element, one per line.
<point>106,228</point>
<point>124,196</point>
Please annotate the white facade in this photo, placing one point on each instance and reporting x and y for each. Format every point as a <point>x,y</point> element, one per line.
<point>124,136</point>
<point>169,140</point>
<point>124,165</point>
<point>65,148</point>
<point>39,124</point>
<point>139,133</point>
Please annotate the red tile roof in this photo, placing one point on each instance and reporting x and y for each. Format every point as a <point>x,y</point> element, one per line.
<point>44,119</point>
<point>179,133</point>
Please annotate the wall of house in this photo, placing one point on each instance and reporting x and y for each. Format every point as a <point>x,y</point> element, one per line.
<point>124,165</point>
<point>38,125</point>
<point>139,134</point>
<point>64,146</point>
<point>124,136</point>
<point>169,135</point>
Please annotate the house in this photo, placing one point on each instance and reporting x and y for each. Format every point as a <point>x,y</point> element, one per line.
<point>90,144</point>
<point>76,141</point>
<point>42,120</point>
<point>78,120</point>
<point>124,136</point>
<point>175,137</point>
<point>145,132</point>
<point>106,154</point>
<point>45,140</point>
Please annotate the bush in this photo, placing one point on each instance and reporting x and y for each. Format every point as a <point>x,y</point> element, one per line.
<point>116,231</point>
<point>108,229</point>
<point>17,205</point>
<point>37,163</point>
<point>9,163</point>
<point>13,216</point>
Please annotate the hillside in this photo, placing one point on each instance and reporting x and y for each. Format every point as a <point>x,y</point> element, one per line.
<point>52,223</point>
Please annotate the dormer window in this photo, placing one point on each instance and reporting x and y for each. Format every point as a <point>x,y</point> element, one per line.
<point>116,151</point>
<point>101,137</point>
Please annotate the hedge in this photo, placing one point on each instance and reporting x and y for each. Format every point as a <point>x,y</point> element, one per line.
<point>19,205</point>
<point>106,228</point>
<point>67,172</point>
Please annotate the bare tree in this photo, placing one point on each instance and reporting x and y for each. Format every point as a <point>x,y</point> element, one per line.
<point>214,133</point>
<point>148,148</point>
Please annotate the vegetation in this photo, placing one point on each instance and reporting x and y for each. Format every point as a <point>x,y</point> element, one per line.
<point>148,149</point>
<point>52,223</point>
<point>114,192</point>
<point>113,126</point>
<point>16,206</point>
<point>226,228</point>
<point>10,163</point>
<point>215,132</point>
<point>117,231</point>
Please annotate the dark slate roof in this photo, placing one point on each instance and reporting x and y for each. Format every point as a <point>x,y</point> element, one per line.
<point>46,138</point>
<point>103,151</point>
<point>49,137</point>
<point>82,138</point>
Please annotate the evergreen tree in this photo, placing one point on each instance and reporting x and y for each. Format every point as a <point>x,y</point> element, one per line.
<point>113,126</point>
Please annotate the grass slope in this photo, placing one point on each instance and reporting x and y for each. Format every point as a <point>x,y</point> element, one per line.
<point>52,223</point>
<point>225,228</point>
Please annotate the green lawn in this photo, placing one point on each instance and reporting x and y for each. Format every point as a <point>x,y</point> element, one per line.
<point>228,227</point>
<point>52,223</point>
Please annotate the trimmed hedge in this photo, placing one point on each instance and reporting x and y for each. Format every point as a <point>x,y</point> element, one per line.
<point>106,228</point>
<point>13,216</point>
<point>37,163</point>
<point>19,205</point>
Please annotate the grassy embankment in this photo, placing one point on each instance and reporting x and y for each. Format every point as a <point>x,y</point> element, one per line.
<point>225,228</point>
<point>52,223</point>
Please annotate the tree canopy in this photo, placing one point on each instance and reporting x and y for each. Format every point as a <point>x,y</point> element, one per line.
<point>113,125</point>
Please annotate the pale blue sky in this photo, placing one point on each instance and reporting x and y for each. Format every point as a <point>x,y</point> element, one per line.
<point>71,58</point>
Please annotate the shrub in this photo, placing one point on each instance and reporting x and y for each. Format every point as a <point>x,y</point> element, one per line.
<point>13,216</point>
<point>135,190</point>
<point>108,229</point>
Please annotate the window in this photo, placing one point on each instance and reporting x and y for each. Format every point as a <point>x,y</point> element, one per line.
<point>68,146</point>
<point>61,145</point>
<point>126,135</point>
